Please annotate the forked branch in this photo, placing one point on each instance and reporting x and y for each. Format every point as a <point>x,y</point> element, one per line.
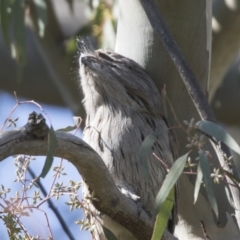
<point>32,139</point>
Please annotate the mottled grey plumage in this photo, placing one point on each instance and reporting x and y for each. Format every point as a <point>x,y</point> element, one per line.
<point>123,107</point>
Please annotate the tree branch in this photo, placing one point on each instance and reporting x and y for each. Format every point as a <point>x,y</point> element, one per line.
<point>192,87</point>
<point>61,220</point>
<point>179,61</point>
<point>32,139</point>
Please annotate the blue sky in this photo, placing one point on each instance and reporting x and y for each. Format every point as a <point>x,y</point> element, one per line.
<point>36,223</point>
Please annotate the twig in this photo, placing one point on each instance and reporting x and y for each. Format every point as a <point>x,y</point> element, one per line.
<point>54,209</point>
<point>204,231</point>
<point>192,87</point>
<point>105,196</point>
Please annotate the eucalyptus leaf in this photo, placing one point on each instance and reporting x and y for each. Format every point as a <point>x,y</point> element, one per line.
<point>52,144</point>
<point>18,14</point>
<point>219,133</point>
<point>168,183</point>
<point>163,216</point>
<point>67,129</point>
<point>41,9</point>
<point>208,181</point>
<point>229,197</point>
<point>145,150</point>
<point>109,234</point>
<point>4,14</point>
<point>198,182</point>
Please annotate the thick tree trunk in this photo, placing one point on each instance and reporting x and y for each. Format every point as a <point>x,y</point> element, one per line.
<point>190,24</point>
<point>224,90</point>
<point>226,40</point>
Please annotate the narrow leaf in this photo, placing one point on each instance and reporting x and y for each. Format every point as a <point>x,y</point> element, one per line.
<point>230,175</point>
<point>67,129</point>
<point>52,144</point>
<point>168,183</point>
<point>41,9</point>
<point>145,150</point>
<point>198,182</point>
<point>208,181</point>
<point>18,13</point>
<point>229,197</point>
<point>109,234</point>
<point>4,8</point>
<point>163,216</point>
<point>219,133</point>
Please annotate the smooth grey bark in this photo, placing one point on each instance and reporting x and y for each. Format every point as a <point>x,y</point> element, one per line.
<point>182,22</point>
<point>196,94</point>
<point>226,101</point>
<point>187,76</point>
<point>136,40</point>
<point>189,23</point>
<point>226,40</point>
<point>224,89</point>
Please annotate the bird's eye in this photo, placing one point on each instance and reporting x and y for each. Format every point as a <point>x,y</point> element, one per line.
<point>104,56</point>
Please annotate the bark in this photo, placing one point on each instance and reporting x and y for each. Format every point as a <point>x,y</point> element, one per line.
<point>226,101</point>
<point>32,139</point>
<point>224,83</point>
<point>137,40</point>
<point>226,40</point>
<point>189,23</point>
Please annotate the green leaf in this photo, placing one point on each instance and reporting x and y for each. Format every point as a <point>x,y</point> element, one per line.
<point>145,150</point>
<point>18,13</point>
<point>41,9</point>
<point>52,144</point>
<point>208,181</point>
<point>198,182</point>
<point>109,234</point>
<point>71,46</point>
<point>163,216</point>
<point>4,8</point>
<point>168,183</point>
<point>67,129</point>
<point>219,133</point>
<point>229,197</point>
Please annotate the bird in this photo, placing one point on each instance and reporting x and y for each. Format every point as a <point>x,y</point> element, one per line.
<point>123,107</point>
